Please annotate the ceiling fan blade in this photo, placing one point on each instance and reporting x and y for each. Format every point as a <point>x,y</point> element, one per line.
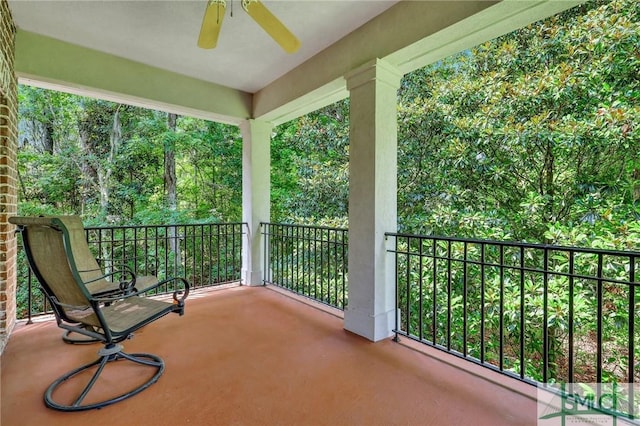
<point>211,23</point>
<point>271,25</point>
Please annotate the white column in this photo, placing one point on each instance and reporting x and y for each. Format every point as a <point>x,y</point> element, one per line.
<point>256,186</point>
<point>372,198</point>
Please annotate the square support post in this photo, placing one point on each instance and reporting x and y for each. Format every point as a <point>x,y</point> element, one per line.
<point>256,187</point>
<point>372,198</point>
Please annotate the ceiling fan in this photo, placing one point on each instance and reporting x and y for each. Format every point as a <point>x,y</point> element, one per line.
<point>214,13</point>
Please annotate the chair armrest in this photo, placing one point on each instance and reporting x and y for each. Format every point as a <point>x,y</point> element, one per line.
<point>179,296</point>
<point>126,279</point>
<point>125,285</point>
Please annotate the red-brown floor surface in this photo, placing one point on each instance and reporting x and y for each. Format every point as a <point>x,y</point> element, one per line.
<point>253,356</point>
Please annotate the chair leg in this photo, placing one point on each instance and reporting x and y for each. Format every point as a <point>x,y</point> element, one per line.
<point>108,354</point>
<point>69,337</point>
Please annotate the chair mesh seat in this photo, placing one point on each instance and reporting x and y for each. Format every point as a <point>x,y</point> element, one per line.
<point>125,314</point>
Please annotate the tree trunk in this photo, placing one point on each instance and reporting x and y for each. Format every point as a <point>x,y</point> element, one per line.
<point>170,182</point>
<point>86,168</point>
<point>48,128</point>
<point>96,166</point>
<point>105,172</point>
<point>47,137</point>
<point>170,164</point>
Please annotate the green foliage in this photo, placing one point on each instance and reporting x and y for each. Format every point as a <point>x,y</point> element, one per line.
<point>211,181</point>
<point>519,138</point>
<point>524,132</point>
<point>106,162</point>
<point>310,167</point>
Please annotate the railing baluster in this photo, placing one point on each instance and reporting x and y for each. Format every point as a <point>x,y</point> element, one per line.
<point>308,267</point>
<point>209,267</point>
<point>464,300</point>
<point>168,261</point>
<point>156,261</point>
<point>323,266</point>
<point>111,244</point>
<point>194,258</point>
<point>501,331</point>
<point>633,410</point>
<point>420,290</point>
<point>226,257</point>
<point>482,300</point>
<point>599,321</point>
<point>571,316</point>
<point>345,236</point>
<point>449,290</point>
<point>434,312</point>
<point>145,250</point>
<point>218,252</point>
<point>407,307</point>
<point>279,255</point>
<point>302,242</point>
<point>298,249</point>
<point>335,268</point>
<point>135,249</point>
<point>317,266</point>
<point>266,277</point>
<point>632,301</point>
<point>545,317</point>
<point>522,322</point>
<point>397,282</point>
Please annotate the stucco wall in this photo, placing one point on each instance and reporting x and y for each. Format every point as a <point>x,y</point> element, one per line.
<point>8,173</point>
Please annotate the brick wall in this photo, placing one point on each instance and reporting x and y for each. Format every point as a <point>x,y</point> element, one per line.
<point>8,173</point>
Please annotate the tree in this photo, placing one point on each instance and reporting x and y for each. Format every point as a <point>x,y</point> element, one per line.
<point>105,160</point>
<point>312,162</point>
<point>211,170</point>
<point>45,118</point>
<point>518,133</point>
<point>100,130</point>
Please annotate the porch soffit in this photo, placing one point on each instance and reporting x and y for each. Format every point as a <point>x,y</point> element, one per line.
<point>408,35</point>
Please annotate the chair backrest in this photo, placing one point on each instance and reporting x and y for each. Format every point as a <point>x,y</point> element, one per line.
<point>57,250</point>
<point>85,262</point>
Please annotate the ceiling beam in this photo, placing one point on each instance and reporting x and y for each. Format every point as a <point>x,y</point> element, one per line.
<point>45,62</point>
<point>403,24</point>
<point>410,35</point>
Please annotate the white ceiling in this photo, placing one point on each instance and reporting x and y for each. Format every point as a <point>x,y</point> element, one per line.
<point>163,34</point>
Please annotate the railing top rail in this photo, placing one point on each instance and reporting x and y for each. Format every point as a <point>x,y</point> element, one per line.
<point>291,225</point>
<point>627,253</point>
<point>95,228</point>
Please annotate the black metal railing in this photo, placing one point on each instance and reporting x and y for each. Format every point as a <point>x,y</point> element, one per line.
<point>539,313</point>
<point>204,254</point>
<point>308,260</point>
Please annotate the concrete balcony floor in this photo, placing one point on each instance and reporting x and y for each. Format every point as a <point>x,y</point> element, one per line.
<point>256,356</point>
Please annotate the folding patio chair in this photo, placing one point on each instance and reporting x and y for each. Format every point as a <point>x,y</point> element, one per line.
<point>85,301</point>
